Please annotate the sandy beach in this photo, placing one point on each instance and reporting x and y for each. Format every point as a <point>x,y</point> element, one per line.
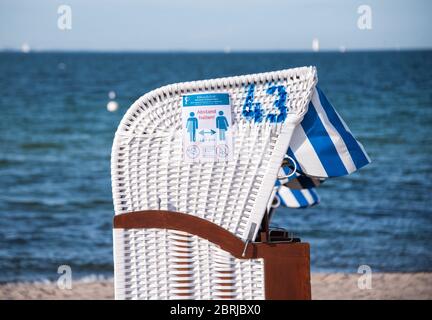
<point>324,286</point>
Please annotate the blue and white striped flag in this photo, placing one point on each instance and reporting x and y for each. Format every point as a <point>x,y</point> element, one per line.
<point>322,145</point>
<point>292,198</point>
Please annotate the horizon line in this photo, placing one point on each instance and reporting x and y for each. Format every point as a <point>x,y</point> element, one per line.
<point>346,50</point>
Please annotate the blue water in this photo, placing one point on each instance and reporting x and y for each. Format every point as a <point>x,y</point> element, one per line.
<point>56,135</point>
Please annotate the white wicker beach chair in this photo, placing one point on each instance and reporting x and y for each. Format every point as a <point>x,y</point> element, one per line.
<point>148,173</point>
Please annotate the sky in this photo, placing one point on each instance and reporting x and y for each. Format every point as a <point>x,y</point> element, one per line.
<point>197,25</point>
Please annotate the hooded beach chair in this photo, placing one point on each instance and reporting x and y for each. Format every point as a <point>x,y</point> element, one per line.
<point>182,228</point>
<point>185,229</point>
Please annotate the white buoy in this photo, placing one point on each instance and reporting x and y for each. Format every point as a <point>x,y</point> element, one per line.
<point>342,49</point>
<point>112,106</point>
<point>25,48</point>
<point>112,95</point>
<point>315,45</point>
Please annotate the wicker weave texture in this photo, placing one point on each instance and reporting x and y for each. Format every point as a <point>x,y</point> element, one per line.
<point>167,264</point>
<point>148,171</point>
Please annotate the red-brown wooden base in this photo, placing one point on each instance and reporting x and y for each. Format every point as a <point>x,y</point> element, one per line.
<point>286,264</point>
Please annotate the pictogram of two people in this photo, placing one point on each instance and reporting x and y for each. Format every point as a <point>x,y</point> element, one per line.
<point>221,125</point>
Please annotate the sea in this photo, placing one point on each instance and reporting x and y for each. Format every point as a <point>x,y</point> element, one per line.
<point>56,136</point>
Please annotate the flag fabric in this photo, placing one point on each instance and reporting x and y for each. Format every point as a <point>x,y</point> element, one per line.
<point>322,145</point>
<point>292,198</point>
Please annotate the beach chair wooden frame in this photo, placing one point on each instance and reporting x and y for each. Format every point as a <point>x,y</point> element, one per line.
<point>204,261</point>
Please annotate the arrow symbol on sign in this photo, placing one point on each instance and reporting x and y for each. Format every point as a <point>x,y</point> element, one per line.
<point>211,132</point>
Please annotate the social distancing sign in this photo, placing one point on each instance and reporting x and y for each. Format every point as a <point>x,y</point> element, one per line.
<point>207,127</point>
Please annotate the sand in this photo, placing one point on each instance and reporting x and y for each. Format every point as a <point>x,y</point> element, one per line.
<point>324,286</point>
